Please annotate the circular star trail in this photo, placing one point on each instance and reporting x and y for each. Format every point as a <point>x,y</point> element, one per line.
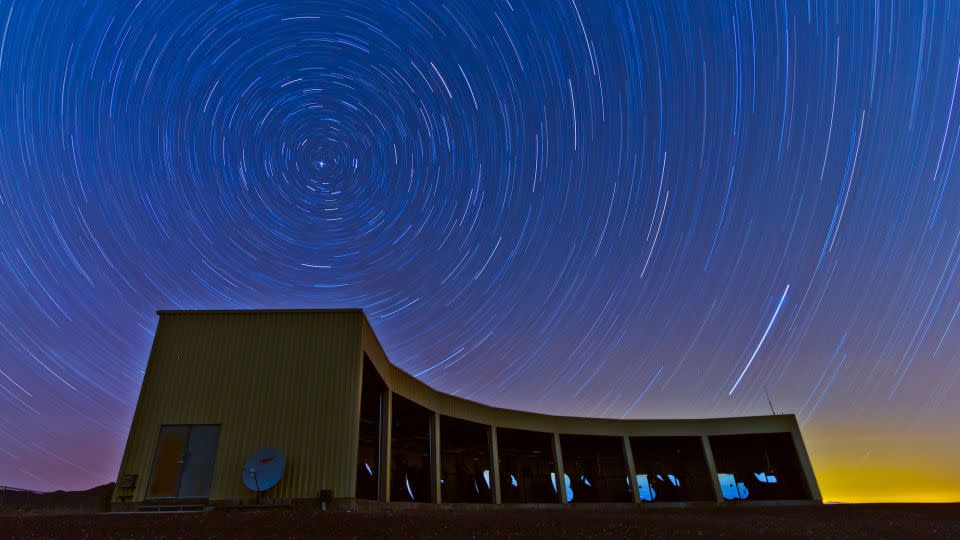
<point>612,209</point>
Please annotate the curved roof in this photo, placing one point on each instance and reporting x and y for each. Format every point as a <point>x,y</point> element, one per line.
<point>408,386</point>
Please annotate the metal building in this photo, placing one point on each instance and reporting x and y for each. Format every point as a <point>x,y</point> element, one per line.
<point>316,385</point>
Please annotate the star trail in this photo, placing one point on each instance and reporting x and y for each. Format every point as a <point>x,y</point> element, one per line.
<point>618,209</point>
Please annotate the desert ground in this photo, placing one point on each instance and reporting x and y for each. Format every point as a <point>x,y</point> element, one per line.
<point>827,521</point>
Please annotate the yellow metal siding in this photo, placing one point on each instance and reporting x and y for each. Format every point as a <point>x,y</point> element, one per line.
<point>283,379</point>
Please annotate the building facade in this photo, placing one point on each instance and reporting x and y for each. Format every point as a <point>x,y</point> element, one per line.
<point>316,385</point>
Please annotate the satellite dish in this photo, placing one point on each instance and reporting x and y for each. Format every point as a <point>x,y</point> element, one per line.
<point>263,469</point>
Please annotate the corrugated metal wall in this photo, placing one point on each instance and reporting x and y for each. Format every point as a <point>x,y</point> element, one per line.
<point>289,380</point>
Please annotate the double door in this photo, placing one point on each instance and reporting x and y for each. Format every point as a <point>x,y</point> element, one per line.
<point>183,462</point>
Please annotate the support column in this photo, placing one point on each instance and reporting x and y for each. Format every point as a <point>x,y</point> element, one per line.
<point>813,488</point>
<point>631,470</point>
<point>712,469</point>
<point>386,438</point>
<point>435,458</point>
<point>494,465</point>
<point>558,465</point>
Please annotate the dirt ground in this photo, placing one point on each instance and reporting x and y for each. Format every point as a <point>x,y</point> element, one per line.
<point>829,521</point>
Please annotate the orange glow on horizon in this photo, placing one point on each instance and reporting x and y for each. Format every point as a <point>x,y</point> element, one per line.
<point>874,464</point>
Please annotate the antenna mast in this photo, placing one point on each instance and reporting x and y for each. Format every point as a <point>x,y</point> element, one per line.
<point>769,401</point>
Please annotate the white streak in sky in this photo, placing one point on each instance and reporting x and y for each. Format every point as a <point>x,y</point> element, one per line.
<point>652,247</point>
<point>762,338</point>
<point>6,27</point>
<point>645,390</point>
<point>849,182</point>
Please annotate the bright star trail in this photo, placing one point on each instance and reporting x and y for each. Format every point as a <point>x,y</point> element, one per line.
<point>592,208</point>
<point>760,344</point>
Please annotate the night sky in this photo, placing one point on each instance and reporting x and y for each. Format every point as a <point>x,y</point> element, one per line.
<point>609,208</point>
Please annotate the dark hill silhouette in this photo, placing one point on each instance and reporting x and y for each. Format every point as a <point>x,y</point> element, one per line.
<point>14,501</point>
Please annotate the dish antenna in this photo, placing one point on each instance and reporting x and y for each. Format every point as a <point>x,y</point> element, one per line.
<point>263,469</point>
